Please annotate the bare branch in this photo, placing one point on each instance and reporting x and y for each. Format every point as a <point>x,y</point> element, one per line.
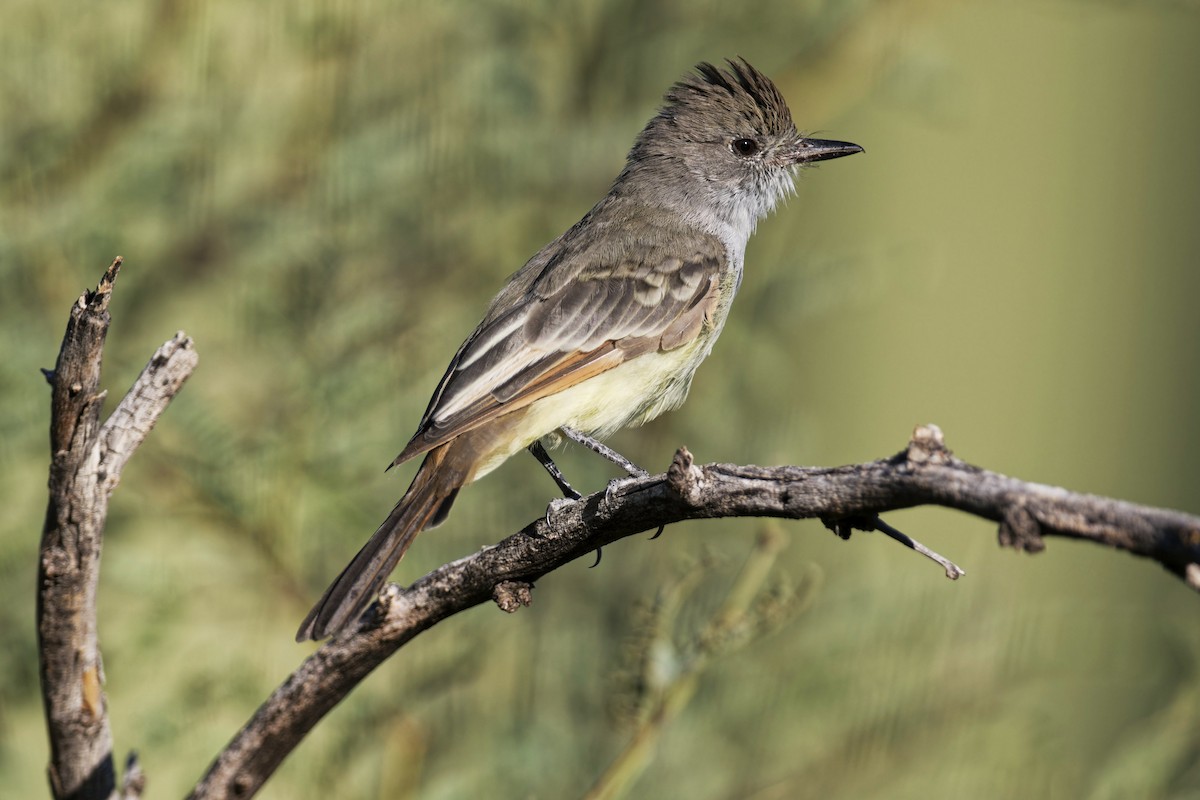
<point>134,417</point>
<point>86,465</point>
<point>925,473</point>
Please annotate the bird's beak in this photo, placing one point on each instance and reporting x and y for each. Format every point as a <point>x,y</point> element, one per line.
<point>807,151</point>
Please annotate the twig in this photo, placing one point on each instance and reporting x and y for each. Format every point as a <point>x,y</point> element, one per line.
<point>843,527</point>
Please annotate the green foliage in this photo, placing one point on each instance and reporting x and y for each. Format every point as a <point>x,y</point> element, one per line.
<point>325,195</point>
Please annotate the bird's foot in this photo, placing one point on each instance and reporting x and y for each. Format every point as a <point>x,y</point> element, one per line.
<point>616,485</point>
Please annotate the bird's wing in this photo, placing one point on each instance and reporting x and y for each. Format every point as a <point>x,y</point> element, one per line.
<point>571,324</point>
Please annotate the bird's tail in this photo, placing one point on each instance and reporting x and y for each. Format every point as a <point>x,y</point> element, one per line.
<point>424,505</point>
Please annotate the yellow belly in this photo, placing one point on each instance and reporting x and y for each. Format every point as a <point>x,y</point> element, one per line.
<point>630,394</point>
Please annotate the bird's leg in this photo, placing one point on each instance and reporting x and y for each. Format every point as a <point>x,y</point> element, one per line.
<point>600,448</point>
<point>556,475</point>
<point>539,452</point>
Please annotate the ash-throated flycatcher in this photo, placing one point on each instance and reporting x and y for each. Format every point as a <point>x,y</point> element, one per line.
<point>605,326</point>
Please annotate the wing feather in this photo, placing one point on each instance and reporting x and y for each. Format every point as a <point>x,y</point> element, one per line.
<point>571,323</point>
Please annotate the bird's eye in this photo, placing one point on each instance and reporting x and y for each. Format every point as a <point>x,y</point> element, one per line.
<point>744,147</point>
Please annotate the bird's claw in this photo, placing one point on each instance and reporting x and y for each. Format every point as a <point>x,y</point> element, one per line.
<point>615,485</point>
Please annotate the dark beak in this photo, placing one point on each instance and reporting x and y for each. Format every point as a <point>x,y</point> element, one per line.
<point>810,150</point>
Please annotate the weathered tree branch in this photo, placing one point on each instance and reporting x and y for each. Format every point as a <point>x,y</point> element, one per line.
<point>86,463</point>
<point>925,473</point>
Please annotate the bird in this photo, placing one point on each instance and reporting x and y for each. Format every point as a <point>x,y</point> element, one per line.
<point>604,327</point>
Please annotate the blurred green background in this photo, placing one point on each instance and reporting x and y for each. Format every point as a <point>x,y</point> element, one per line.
<point>326,194</point>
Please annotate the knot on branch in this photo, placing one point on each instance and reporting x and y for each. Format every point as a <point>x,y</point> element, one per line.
<point>1021,530</point>
<point>928,446</point>
<point>511,595</point>
<point>844,526</point>
<point>684,477</point>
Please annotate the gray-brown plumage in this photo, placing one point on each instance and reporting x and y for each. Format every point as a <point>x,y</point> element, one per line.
<point>605,326</point>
